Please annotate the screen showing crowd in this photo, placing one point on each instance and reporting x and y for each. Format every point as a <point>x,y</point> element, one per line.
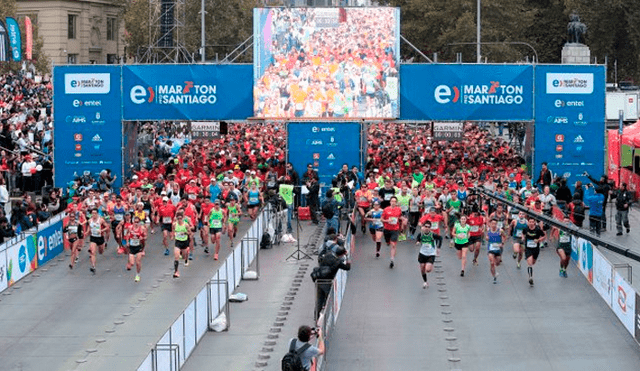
<point>326,62</point>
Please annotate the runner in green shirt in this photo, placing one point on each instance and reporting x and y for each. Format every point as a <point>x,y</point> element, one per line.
<point>460,234</point>
<point>233,213</point>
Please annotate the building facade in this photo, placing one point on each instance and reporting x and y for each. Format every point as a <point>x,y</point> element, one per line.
<point>78,31</point>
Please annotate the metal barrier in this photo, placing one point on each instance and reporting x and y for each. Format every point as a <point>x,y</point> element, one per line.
<point>181,338</point>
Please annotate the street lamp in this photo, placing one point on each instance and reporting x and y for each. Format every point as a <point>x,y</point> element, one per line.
<point>479,56</point>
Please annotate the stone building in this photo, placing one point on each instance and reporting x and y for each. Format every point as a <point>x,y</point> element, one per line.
<point>77,31</point>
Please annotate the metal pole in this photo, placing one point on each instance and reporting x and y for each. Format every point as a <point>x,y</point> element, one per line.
<point>478,27</point>
<point>620,124</point>
<point>202,33</point>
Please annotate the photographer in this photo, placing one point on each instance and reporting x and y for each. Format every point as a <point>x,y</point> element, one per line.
<point>606,190</point>
<point>303,349</point>
<point>313,200</point>
<point>333,260</point>
<point>595,200</point>
<point>624,198</point>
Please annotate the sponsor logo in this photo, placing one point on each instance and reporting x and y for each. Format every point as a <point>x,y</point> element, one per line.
<point>315,142</point>
<point>558,120</point>
<point>566,175</point>
<point>316,156</point>
<point>98,119</point>
<point>493,93</point>
<point>559,103</point>
<point>578,148</point>
<point>331,157</point>
<point>78,147</point>
<point>569,83</point>
<point>96,138</point>
<point>559,148</point>
<point>47,244</point>
<point>316,164</point>
<point>22,258</point>
<point>87,83</point>
<point>622,299</point>
<point>77,137</point>
<point>559,138</point>
<point>87,103</point>
<point>578,139</point>
<point>580,121</point>
<point>187,93</point>
<point>76,119</point>
<point>559,155</point>
<point>96,147</point>
<point>78,155</point>
<point>316,129</point>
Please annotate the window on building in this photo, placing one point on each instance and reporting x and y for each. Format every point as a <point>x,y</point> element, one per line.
<point>72,58</point>
<point>112,27</point>
<point>72,27</point>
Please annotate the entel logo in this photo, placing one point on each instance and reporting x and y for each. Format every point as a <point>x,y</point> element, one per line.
<point>138,94</point>
<point>89,103</point>
<point>622,299</point>
<point>442,93</point>
<point>48,244</point>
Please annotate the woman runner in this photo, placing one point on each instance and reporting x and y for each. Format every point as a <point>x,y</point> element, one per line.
<point>427,254</point>
<point>460,235</point>
<point>495,238</point>
<point>137,234</point>
<point>374,216</point>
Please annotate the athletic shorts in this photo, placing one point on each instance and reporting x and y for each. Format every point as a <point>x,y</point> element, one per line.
<point>566,247</point>
<point>72,240</point>
<point>182,244</point>
<point>391,236</point>
<point>423,259</point>
<point>215,230</point>
<point>474,239</point>
<point>253,206</point>
<point>460,246</point>
<point>373,230</point>
<point>114,224</point>
<point>97,240</point>
<point>495,252</point>
<point>134,250</point>
<point>166,227</point>
<point>532,252</point>
<point>366,209</point>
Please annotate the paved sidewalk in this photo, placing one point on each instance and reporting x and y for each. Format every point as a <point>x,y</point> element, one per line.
<point>279,302</point>
<point>388,322</point>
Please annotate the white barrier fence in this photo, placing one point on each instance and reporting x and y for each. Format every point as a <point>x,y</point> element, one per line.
<point>608,280</point>
<point>23,254</point>
<point>179,341</point>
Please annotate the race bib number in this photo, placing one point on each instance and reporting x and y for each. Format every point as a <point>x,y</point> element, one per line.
<point>500,225</point>
<point>387,196</point>
<point>494,246</point>
<point>519,233</point>
<point>461,236</point>
<point>119,217</point>
<point>181,235</point>
<point>393,221</point>
<point>192,196</point>
<point>166,219</point>
<point>134,242</point>
<point>217,224</point>
<point>475,228</point>
<point>364,200</point>
<point>253,200</point>
<point>565,238</point>
<point>434,225</point>
<point>73,229</point>
<point>95,232</point>
<point>532,244</point>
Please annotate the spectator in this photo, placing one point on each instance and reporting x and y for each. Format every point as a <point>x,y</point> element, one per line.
<point>595,201</point>
<point>624,198</point>
<point>334,261</point>
<point>545,176</point>
<point>606,190</point>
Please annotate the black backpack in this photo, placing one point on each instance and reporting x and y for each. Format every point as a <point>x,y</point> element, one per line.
<point>327,210</point>
<point>265,241</point>
<point>292,361</point>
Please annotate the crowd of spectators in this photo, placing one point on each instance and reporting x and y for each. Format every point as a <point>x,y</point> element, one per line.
<point>330,63</point>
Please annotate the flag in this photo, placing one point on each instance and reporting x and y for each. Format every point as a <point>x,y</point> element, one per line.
<point>14,39</point>
<point>4,43</point>
<point>29,42</point>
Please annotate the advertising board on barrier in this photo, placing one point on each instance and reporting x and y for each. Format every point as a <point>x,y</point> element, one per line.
<point>3,270</point>
<point>602,277</point>
<point>21,259</point>
<point>87,120</point>
<point>49,241</point>
<point>585,258</point>
<point>570,120</point>
<point>466,92</point>
<point>329,68</point>
<point>624,302</point>
<point>327,146</point>
<point>637,329</point>
<point>187,92</point>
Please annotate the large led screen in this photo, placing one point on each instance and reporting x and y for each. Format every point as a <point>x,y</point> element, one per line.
<point>326,62</point>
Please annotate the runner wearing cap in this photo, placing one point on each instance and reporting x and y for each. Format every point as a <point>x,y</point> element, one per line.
<point>253,199</point>
<point>216,221</point>
<point>137,234</point>
<point>363,201</point>
<point>73,233</point>
<point>391,218</point>
<point>427,254</point>
<point>437,225</point>
<point>97,228</point>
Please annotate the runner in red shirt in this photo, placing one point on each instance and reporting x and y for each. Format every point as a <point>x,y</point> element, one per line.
<point>363,199</point>
<point>166,212</point>
<point>476,221</point>
<point>191,213</point>
<point>391,221</point>
<point>192,190</point>
<point>205,209</point>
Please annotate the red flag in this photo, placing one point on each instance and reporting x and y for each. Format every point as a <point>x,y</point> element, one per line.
<point>29,41</point>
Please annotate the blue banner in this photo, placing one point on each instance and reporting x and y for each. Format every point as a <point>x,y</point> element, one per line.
<point>466,92</point>
<point>49,240</point>
<point>326,146</point>
<point>87,120</point>
<point>14,39</point>
<point>570,121</point>
<point>187,92</point>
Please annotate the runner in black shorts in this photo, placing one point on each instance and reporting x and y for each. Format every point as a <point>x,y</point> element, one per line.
<point>532,236</point>
<point>182,233</point>
<point>97,228</point>
<point>427,254</point>
<point>564,248</point>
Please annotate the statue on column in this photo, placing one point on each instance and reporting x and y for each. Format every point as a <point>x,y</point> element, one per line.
<point>576,29</point>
